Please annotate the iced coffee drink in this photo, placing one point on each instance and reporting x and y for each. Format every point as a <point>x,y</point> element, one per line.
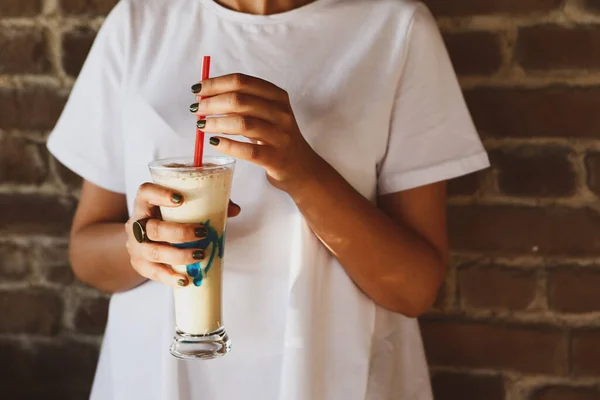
<point>206,190</point>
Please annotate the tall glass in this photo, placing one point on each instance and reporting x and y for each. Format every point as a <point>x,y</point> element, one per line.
<point>199,331</point>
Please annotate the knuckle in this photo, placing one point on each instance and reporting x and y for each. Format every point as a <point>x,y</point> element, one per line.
<point>180,232</point>
<point>154,273</point>
<point>134,261</point>
<point>153,229</point>
<point>153,253</point>
<point>143,188</point>
<point>244,123</point>
<point>139,264</point>
<point>255,152</point>
<point>236,100</point>
<point>239,80</point>
<point>184,257</point>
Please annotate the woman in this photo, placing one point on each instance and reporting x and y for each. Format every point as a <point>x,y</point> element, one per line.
<point>346,119</point>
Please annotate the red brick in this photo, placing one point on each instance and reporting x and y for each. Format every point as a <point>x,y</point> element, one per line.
<point>480,345</point>
<point>566,393</point>
<point>68,177</point>
<point>13,363</point>
<point>21,161</point>
<point>33,107</point>
<point>475,7</point>
<point>54,263</point>
<point>20,8</point>
<point>466,185</point>
<point>553,230</point>
<point>534,171</point>
<point>574,289</point>
<point>76,46</point>
<point>592,5</point>
<point>23,51</point>
<point>496,287</point>
<point>555,47</point>
<point>440,300</point>
<point>455,386</point>
<point>474,53</point>
<point>73,364</point>
<point>30,311</point>
<point>592,163</point>
<point>14,264</point>
<point>548,112</point>
<point>91,315</point>
<point>585,352</point>
<point>35,214</point>
<point>93,7</point>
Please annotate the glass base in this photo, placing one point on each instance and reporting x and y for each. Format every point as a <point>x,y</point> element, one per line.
<point>203,347</point>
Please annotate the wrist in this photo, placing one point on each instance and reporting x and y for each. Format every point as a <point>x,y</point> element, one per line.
<point>314,176</point>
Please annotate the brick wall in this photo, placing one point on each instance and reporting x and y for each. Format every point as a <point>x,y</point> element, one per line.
<point>519,314</point>
<point>50,326</point>
<point>518,317</point>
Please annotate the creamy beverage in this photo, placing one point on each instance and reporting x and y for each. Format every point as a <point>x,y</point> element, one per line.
<point>206,191</point>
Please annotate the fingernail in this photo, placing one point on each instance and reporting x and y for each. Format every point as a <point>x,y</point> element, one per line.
<point>201,124</point>
<point>201,232</point>
<point>182,282</point>
<point>194,107</point>
<point>198,255</point>
<point>214,141</point>
<point>197,88</point>
<point>176,198</point>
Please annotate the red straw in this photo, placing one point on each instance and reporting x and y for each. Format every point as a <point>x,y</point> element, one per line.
<point>199,149</point>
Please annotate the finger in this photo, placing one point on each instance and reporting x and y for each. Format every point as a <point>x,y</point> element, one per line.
<point>167,254</point>
<point>233,210</point>
<point>172,232</point>
<point>252,128</point>
<point>243,84</point>
<point>159,272</point>
<point>255,153</point>
<point>150,195</point>
<point>244,104</point>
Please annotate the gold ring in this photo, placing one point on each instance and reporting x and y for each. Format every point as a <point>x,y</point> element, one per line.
<point>139,230</point>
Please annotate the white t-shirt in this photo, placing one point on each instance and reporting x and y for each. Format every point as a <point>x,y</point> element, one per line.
<point>374,93</point>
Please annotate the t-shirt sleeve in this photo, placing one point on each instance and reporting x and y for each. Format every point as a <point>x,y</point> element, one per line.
<point>432,137</point>
<point>88,137</point>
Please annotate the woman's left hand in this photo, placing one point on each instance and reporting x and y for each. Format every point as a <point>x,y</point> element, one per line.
<point>260,111</point>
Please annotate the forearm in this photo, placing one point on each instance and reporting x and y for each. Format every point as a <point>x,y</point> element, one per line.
<point>99,258</point>
<point>390,263</point>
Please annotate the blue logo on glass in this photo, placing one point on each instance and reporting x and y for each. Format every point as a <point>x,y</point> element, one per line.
<point>196,270</point>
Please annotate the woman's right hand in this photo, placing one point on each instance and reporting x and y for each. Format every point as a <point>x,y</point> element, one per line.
<point>153,258</point>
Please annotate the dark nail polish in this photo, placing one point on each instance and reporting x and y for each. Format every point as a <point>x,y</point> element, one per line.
<point>182,282</point>
<point>198,255</point>
<point>194,107</point>
<point>197,88</point>
<point>176,198</point>
<point>201,232</point>
<point>214,141</point>
<point>201,124</point>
